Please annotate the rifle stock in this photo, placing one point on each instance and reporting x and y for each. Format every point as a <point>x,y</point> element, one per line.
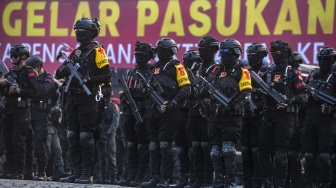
<point>131,101</point>
<point>10,75</point>
<point>275,95</point>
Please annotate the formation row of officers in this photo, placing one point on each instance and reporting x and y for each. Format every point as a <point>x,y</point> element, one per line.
<point>205,126</point>
<point>202,106</point>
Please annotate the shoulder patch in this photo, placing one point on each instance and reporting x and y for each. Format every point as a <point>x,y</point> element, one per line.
<point>101,58</point>
<point>31,74</point>
<point>245,80</point>
<point>181,75</point>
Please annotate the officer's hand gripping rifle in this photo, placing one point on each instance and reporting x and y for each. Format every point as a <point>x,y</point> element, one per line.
<point>10,75</point>
<point>159,101</point>
<point>130,99</point>
<point>74,73</point>
<point>274,94</point>
<point>215,93</point>
<point>321,96</point>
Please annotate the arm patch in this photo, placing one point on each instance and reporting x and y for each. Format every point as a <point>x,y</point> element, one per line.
<point>101,58</point>
<point>181,75</point>
<point>245,80</point>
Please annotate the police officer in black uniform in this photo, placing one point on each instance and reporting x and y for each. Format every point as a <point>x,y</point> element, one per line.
<point>136,132</point>
<point>40,107</point>
<point>173,79</point>
<point>294,148</point>
<point>277,122</point>
<point>251,121</point>
<point>16,122</point>
<point>224,124</point>
<point>81,108</point>
<point>197,124</point>
<point>319,128</point>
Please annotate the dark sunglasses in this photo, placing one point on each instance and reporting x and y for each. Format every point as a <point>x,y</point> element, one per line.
<point>224,51</point>
<point>14,55</point>
<point>276,52</point>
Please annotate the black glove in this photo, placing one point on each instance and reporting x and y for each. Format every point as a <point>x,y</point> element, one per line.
<point>326,109</point>
<point>65,71</point>
<point>167,105</point>
<point>301,98</point>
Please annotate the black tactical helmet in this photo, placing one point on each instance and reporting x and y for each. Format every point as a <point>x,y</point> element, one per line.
<point>167,43</point>
<point>209,42</point>
<point>87,29</point>
<point>257,48</point>
<point>255,54</point>
<point>280,50</point>
<point>19,50</point>
<point>295,59</point>
<point>230,45</point>
<point>326,57</point>
<point>142,47</point>
<point>34,61</point>
<point>190,57</point>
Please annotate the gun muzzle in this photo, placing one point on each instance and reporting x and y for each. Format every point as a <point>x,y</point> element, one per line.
<point>60,54</point>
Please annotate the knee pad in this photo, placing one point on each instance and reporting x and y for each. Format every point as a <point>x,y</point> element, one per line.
<point>280,158</point>
<point>324,159</point>
<point>86,139</point>
<point>142,147</point>
<point>165,148</point>
<point>310,160</point>
<point>215,154</point>
<point>246,152</point>
<point>73,138</point>
<point>131,145</point>
<point>153,146</point>
<point>228,149</point>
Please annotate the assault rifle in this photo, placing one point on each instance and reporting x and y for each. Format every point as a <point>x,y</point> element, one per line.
<point>74,71</point>
<point>130,99</point>
<point>274,94</point>
<point>215,93</point>
<point>201,102</point>
<point>159,101</point>
<point>321,96</point>
<point>10,74</point>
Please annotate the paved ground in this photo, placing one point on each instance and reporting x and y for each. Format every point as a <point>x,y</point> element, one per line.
<point>4,183</point>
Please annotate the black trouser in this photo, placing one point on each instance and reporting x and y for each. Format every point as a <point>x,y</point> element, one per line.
<point>138,152</point>
<point>161,132</point>
<point>81,122</point>
<point>181,143</point>
<point>318,136</point>
<point>106,160</point>
<point>224,134</point>
<point>15,127</point>
<point>197,131</point>
<point>294,164</point>
<point>274,135</point>
<point>249,144</point>
<point>39,122</point>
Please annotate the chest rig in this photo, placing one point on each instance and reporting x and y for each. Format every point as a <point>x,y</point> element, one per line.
<point>322,82</point>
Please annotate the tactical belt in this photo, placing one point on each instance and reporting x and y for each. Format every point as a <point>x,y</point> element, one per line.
<point>76,90</point>
<point>226,112</point>
<point>42,105</point>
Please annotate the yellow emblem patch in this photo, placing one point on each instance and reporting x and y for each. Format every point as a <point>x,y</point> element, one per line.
<point>245,81</point>
<point>101,58</point>
<point>181,75</point>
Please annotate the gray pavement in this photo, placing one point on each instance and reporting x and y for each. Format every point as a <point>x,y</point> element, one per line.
<point>6,183</point>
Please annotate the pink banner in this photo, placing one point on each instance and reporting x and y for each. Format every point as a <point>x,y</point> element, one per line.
<point>44,25</point>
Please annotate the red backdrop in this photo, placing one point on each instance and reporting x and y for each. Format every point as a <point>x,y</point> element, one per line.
<point>44,25</point>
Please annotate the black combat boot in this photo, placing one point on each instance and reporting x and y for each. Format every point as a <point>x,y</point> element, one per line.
<point>114,180</point>
<point>151,183</point>
<point>163,183</point>
<point>182,182</point>
<point>72,178</point>
<point>218,182</point>
<point>86,177</point>
<point>324,185</point>
<point>41,175</point>
<point>228,181</point>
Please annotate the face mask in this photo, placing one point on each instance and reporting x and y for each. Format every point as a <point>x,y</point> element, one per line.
<point>83,36</point>
<point>324,64</point>
<point>142,58</point>
<point>164,54</point>
<point>205,53</point>
<point>228,59</point>
<point>253,59</point>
